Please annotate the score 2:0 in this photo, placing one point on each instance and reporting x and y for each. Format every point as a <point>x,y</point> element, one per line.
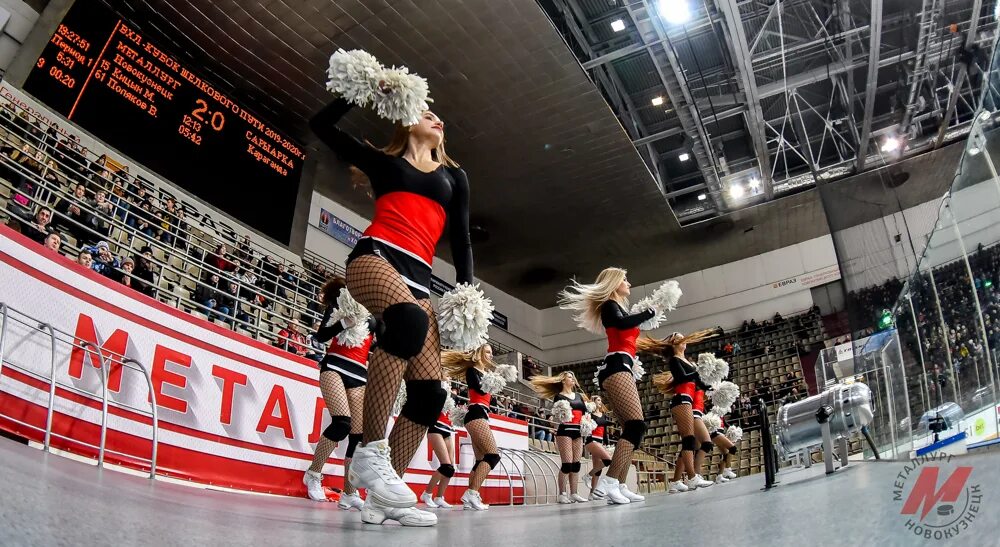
<point>216,119</point>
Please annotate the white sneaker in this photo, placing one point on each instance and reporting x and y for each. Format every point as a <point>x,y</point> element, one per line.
<point>612,492</point>
<point>677,486</point>
<point>594,496</point>
<point>578,498</point>
<point>314,485</point>
<point>375,513</point>
<point>698,482</point>
<point>428,500</point>
<point>720,478</point>
<point>728,473</point>
<point>632,496</point>
<point>471,500</point>
<point>372,469</point>
<point>350,501</point>
<point>600,491</point>
<point>564,498</point>
<point>439,501</point>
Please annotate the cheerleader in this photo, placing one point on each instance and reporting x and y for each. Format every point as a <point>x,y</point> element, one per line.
<point>725,440</point>
<point>417,188</point>
<point>595,444</point>
<point>601,309</point>
<point>439,437</point>
<point>569,409</point>
<point>683,383</point>
<point>483,377</point>
<point>342,378</point>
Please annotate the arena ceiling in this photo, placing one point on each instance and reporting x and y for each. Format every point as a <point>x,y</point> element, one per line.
<point>550,108</point>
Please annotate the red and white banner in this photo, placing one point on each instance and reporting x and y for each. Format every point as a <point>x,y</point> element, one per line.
<point>233,411</point>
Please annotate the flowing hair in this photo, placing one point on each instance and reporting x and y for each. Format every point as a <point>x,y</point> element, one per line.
<point>397,147</point>
<point>601,407</point>
<point>330,291</point>
<point>550,386</point>
<point>664,381</point>
<point>456,363</point>
<point>586,300</point>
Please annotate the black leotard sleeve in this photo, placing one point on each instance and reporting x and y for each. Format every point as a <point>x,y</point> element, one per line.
<point>613,316</point>
<point>473,379</point>
<point>458,218</point>
<point>348,148</point>
<point>682,372</point>
<point>325,332</point>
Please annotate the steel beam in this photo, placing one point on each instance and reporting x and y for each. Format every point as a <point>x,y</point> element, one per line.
<point>963,70</point>
<point>871,84</point>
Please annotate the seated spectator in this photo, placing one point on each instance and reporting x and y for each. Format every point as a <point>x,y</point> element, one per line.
<point>232,297</point>
<point>38,229</point>
<point>104,262</point>
<point>74,215</point>
<point>207,294</point>
<point>316,350</point>
<point>728,348</point>
<point>53,241</point>
<point>125,275</point>
<point>736,348</point>
<point>146,273</point>
<point>85,259</point>
<point>144,220</point>
<point>313,308</point>
<point>291,339</point>
<point>22,202</point>
<point>221,259</point>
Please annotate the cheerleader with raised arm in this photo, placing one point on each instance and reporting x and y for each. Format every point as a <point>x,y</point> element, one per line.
<point>603,308</point>
<point>568,411</point>
<point>342,379</point>
<point>484,379</point>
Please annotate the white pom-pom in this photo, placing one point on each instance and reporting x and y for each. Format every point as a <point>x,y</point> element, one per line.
<point>406,97</point>
<point>724,396</point>
<point>587,426</point>
<point>492,383</point>
<point>464,315</point>
<point>508,372</point>
<point>664,299</point>
<point>710,369</point>
<point>591,406</point>
<point>449,404</point>
<point>712,421</point>
<point>734,433</point>
<point>397,405</point>
<point>457,414</point>
<point>350,309</point>
<point>561,412</point>
<point>638,371</point>
<point>354,75</point>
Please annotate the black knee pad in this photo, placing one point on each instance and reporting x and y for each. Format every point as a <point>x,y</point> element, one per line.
<point>353,440</point>
<point>447,470</point>
<point>576,467</point>
<point>707,447</point>
<point>633,431</point>
<point>607,463</point>
<point>493,459</point>
<point>732,450</point>
<point>689,443</point>
<point>405,328</point>
<point>338,429</point>
<point>424,401</point>
<point>566,468</point>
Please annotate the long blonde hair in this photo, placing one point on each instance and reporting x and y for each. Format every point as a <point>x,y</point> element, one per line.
<point>398,143</point>
<point>456,363</point>
<point>586,300</point>
<point>665,346</point>
<point>550,386</point>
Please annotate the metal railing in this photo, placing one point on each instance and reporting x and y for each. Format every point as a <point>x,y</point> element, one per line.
<point>105,358</point>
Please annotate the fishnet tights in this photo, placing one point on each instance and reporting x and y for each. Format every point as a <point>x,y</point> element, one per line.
<point>685,427</point>
<point>570,451</point>
<point>482,443</point>
<point>701,434</point>
<point>623,398</point>
<point>339,402</point>
<point>376,285</point>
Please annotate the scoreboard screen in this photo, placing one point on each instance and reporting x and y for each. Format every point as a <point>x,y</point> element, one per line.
<point>104,75</point>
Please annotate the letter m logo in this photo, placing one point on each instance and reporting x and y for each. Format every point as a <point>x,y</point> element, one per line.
<point>926,493</point>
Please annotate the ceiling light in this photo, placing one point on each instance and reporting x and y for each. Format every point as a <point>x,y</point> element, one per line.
<point>675,11</point>
<point>684,157</point>
<point>617,25</point>
<point>657,101</point>
<point>736,191</point>
<point>985,114</point>
<point>755,183</point>
<point>702,197</point>
<point>891,144</point>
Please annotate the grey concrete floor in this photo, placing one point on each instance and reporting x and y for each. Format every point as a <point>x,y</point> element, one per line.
<point>50,500</point>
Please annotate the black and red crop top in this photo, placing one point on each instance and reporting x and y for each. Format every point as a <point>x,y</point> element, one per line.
<point>622,329</point>
<point>474,378</point>
<point>411,206</point>
<point>576,404</point>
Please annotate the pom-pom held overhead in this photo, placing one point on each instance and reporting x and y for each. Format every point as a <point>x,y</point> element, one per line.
<point>638,371</point>
<point>561,412</point>
<point>493,383</point>
<point>359,78</point>
<point>464,315</point>
<point>710,369</point>
<point>724,396</point>
<point>354,313</point>
<point>508,372</point>
<point>587,426</point>
<point>712,421</point>
<point>664,299</point>
<point>457,414</point>
<point>734,433</point>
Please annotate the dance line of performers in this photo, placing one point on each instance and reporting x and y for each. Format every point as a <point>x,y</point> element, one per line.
<point>384,332</point>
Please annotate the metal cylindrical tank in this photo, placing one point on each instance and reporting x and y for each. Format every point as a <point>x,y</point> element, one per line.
<point>797,427</point>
